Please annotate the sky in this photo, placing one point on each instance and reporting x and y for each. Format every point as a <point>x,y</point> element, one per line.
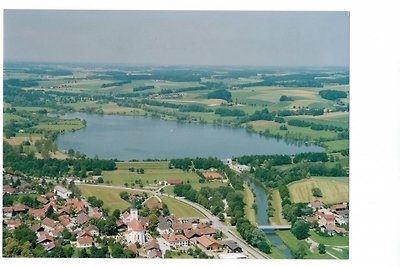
<point>254,38</point>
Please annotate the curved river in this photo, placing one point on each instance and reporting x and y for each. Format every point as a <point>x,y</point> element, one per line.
<point>140,138</point>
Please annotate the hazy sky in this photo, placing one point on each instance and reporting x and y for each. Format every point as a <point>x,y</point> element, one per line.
<point>178,37</point>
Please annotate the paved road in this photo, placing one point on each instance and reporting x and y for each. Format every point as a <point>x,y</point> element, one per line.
<point>252,252</point>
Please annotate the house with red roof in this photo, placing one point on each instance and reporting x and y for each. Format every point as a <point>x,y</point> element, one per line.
<point>37,214</point>
<point>19,208</point>
<point>45,238</point>
<point>178,228</point>
<point>208,243</point>
<point>84,242</point>
<point>49,224</point>
<point>12,224</point>
<point>315,205</point>
<point>176,241</point>
<point>173,181</point>
<point>42,200</point>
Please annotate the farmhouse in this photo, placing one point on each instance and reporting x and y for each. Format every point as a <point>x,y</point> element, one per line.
<point>62,192</point>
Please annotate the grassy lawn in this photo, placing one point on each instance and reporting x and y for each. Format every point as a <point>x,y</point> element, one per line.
<point>8,117</point>
<point>181,209</point>
<point>143,164</point>
<point>330,241</point>
<point>110,196</point>
<point>249,200</point>
<point>332,191</point>
<point>277,219</point>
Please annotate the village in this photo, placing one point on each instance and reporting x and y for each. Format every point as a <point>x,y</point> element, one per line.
<point>59,219</point>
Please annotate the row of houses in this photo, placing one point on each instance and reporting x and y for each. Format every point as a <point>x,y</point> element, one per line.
<point>330,220</point>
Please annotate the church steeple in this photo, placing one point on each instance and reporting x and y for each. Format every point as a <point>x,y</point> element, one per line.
<point>134,211</point>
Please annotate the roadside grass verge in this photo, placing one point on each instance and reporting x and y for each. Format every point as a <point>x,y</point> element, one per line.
<point>331,240</point>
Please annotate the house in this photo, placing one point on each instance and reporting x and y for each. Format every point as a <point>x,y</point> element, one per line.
<point>49,224</point>
<point>231,246</point>
<point>57,233</point>
<point>45,238</point>
<point>82,218</point>
<point>152,249</point>
<point>178,228</point>
<point>212,176</point>
<point>176,241</point>
<point>173,181</point>
<point>84,242</point>
<point>66,221</point>
<point>12,224</point>
<point>311,219</point>
<point>42,200</point>
<point>164,226</point>
<point>315,205</point>
<point>37,214</point>
<point>92,230</point>
<point>97,213</point>
<point>206,231</point>
<point>37,228</point>
<point>7,212</point>
<point>208,243</point>
<point>135,233</point>
<point>339,207</point>
<point>332,229</point>
<point>326,219</point>
<point>8,189</point>
<point>62,192</point>
<point>19,208</point>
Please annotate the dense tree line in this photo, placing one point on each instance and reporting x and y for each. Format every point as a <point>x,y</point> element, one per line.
<point>29,165</point>
<point>106,85</point>
<point>224,112</point>
<point>332,94</point>
<point>143,88</point>
<point>285,98</point>
<point>314,126</point>
<point>311,157</point>
<point>257,160</point>
<point>220,94</point>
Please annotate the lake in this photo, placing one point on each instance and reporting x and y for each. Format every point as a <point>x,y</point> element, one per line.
<point>140,138</point>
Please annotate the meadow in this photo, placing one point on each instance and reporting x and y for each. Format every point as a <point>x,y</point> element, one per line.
<point>334,190</point>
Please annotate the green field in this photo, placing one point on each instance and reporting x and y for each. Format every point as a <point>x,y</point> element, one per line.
<point>330,241</point>
<point>8,117</point>
<point>181,209</point>
<point>336,145</point>
<point>64,125</point>
<point>249,200</point>
<point>110,196</point>
<point>154,172</point>
<point>332,191</point>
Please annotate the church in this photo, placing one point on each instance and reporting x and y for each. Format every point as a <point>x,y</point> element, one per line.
<point>135,232</point>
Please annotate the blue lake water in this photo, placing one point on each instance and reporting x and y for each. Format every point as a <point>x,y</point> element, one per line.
<point>129,137</point>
